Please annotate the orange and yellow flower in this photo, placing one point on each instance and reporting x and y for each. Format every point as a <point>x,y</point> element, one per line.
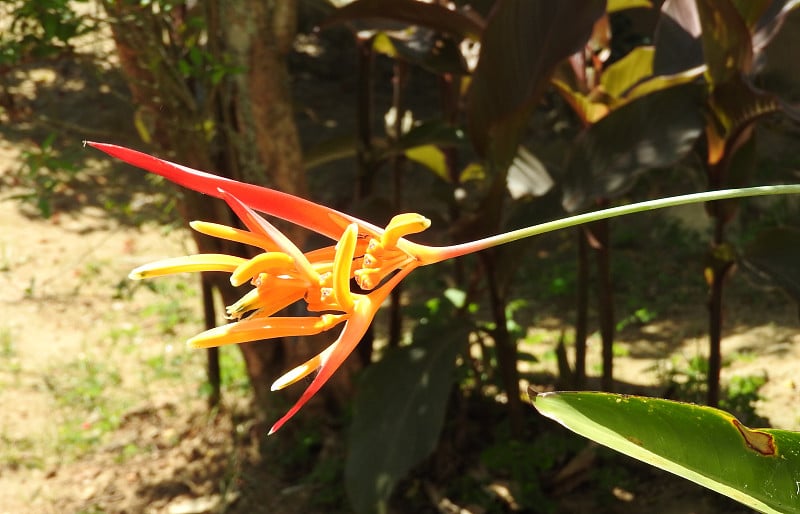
<point>282,275</point>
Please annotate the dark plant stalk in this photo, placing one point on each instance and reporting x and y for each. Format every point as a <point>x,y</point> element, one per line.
<point>366,171</point>
<point>398,161</point>
<point>582,308</point>
<point>605,301</point>
<point>210,321</point>
<point>506,348</point>
<point>714,341</point>
<point>720,268</point>
<point>450,95</point>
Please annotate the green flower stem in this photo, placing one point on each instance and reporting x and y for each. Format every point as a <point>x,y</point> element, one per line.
<point>449,252</point>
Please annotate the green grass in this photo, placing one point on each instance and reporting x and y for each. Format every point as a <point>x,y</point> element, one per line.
<point>171,308</point>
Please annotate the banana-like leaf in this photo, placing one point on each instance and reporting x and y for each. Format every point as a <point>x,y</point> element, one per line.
<point>757,467</point>
<point>523,43</point>
<point>651,132</point>
<point>727,43</point>
<point>677,38</point>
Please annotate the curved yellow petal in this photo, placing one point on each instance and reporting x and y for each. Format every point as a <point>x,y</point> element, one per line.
<point>402,225</point>
<point>234,234</point>
<point>262,328</point>
<point>274,263</point>
<point>302,371</point>
<point>370,278</point>
<point>342,264</point>
<point>188,264</point>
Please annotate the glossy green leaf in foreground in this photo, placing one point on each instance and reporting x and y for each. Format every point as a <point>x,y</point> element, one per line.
<point>757,467</point>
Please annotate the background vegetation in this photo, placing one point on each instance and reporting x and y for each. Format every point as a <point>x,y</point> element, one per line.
<point>483,116</point>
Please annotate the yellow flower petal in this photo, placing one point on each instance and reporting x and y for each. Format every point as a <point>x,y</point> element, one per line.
<point>403,225</point>
<point>274,263</point>
<point>342,264</point>
<point>187,264</point>
<point>370,278</point>
<point>263,328</point>
<point>234,234</point>
<point>302,371</point>
<point>266,304</point>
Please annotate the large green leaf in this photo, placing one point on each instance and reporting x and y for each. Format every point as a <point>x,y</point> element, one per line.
<point>399,411</point>
<point>523,42</point>
<point>757,467</point>
<point>651,132</point>
<point>776,253</point>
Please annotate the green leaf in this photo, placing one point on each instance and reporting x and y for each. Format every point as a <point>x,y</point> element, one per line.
<point>588,110</point>
<point>727,43</point>
<point>621,5</point>
<point>621,76</point>
<point>523,43</point>
<point>424,48</point>
<point>751,11</point>
<point>757,467</point>
<point>776,253</point>
<point>399,410</point>
<point>432,157</point>
<point>339,147</point>
<point>433,132</point>
<point>734,106</point>
<point>651,132</point>
<point>659,82</point>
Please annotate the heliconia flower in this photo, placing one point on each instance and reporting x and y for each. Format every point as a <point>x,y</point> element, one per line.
<point>377,258</point>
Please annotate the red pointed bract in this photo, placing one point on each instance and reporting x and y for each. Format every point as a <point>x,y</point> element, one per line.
<point>305,213</point>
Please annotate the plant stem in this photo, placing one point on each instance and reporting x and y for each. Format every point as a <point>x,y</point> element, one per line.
<point>210,321</point>
<point>582,307</point>
<point>366,166</point>
<point>506,348</point>
<point>605,301</point>
<point>434,254</point>
<point>398,82</point>
<point>714,340</point>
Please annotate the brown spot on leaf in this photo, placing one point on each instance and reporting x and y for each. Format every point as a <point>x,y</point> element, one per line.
<point>635,440</point>
<point>757,440</point>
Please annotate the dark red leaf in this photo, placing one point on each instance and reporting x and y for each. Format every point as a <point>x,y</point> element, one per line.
<point>523,42</point>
